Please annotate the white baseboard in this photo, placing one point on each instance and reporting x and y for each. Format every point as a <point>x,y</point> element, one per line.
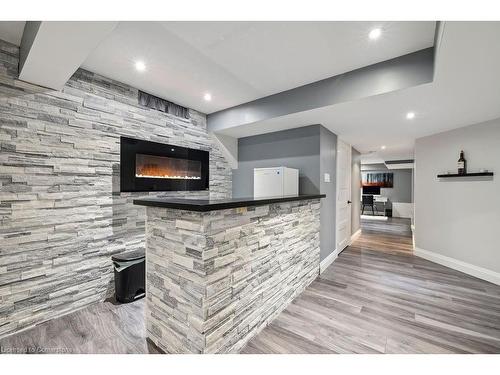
<point>323,265</point>
<point>470,269</point>
<point>355,236</point>
<point>371,217</point>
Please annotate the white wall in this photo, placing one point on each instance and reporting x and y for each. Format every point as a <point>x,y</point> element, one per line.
<point>457,221</point>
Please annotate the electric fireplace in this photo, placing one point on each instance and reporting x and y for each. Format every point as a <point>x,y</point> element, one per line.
<point>151,166</point>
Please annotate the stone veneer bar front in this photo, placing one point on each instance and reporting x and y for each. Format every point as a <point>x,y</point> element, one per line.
<point>216,276</point>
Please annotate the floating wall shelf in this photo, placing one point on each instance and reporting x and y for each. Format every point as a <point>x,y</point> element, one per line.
<point>455,175</point>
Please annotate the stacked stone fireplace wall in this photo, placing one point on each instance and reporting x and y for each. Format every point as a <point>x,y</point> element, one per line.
<point>62,215</point>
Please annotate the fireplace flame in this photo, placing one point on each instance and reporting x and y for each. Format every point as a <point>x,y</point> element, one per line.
<point>157,171</point>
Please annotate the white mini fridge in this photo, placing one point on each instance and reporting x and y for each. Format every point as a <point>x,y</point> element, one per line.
<point>275,182</point>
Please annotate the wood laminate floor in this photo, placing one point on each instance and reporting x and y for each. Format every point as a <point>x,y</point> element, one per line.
<point>105,328</point>
<point>375,298</point>
<point>379,298</point>
<point>391,236</point>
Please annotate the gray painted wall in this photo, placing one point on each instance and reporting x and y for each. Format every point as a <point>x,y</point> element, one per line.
<point>355,190</point>
<point>401,72</point>
<point>402,190</point>
<point>459,218</point>
<point>311,149</point>
<point>62,215</point>
<point>296,148</point>
<point>328,164</point>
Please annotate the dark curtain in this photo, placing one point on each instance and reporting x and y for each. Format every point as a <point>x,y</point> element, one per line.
<point>162,105</point>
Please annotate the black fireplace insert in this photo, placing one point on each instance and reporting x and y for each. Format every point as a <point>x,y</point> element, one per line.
<point>152,166</point>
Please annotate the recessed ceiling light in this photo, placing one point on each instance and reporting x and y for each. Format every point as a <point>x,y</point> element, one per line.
<point>382,147</point>
<point>207,97</point>
<point>375,34</point>
<point>410,115</point>
<point>140,66</point>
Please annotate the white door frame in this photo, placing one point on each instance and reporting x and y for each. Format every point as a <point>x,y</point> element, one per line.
<point>343,208</point>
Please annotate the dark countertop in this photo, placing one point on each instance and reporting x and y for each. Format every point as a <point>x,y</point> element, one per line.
<point>204,205</point>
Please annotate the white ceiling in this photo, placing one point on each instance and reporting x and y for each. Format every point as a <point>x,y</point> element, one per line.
<point>58,48</point>
<point>12,31</point>
<point>466,90</point>
<point>241,61</point>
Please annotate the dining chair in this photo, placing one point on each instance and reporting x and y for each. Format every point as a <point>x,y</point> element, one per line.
<point>367,200</point>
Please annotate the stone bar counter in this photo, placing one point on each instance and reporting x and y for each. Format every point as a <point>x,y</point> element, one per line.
<point>218,271</point>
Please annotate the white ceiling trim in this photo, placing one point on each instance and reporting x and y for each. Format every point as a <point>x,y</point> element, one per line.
<point>52,51</point>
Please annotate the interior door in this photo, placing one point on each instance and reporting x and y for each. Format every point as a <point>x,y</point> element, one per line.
<point>343,195</point>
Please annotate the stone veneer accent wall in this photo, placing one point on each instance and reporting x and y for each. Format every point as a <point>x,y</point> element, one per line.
<point>61,213</point>
<point>215,279</point>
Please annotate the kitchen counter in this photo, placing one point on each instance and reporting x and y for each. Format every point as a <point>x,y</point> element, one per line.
<point>218,271</point>
<point>204,205</point>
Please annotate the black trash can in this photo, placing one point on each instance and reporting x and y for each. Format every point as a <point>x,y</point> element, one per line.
<point>130,276</point>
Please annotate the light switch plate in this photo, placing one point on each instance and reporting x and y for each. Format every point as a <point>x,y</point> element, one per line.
<point>327,177</point>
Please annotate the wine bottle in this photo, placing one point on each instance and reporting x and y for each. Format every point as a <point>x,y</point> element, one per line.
<point>462,164</point>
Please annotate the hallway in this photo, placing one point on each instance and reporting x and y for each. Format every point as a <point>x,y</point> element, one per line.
<point>379,298</point>
<point>391,235</point>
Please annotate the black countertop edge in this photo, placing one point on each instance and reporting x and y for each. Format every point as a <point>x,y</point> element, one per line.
<point>205,205</point>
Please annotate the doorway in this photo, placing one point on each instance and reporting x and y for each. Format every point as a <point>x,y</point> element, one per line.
<point>343,195</point>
